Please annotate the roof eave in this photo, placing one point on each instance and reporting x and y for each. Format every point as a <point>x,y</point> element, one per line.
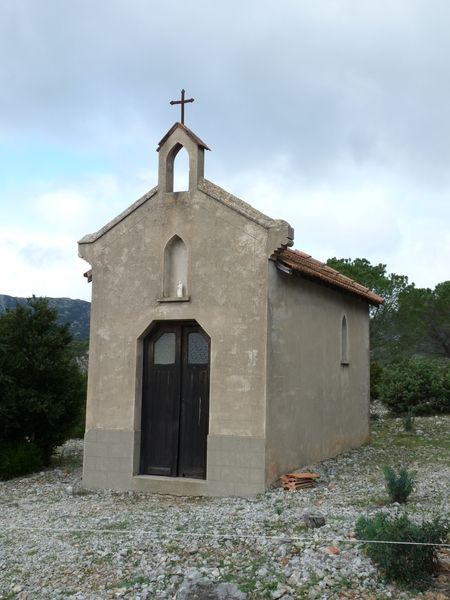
<point>320,272</point>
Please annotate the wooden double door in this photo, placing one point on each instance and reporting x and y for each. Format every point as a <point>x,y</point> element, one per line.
<point>175,401</point>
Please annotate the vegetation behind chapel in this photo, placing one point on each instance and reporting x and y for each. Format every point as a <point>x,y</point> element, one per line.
<point>409,339</point>
<point>412,322</point>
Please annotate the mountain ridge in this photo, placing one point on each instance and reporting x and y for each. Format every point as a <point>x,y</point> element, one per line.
<point>75,312</point>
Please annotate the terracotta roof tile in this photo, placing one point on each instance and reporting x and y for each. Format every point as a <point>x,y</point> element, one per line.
<point>303,263</point>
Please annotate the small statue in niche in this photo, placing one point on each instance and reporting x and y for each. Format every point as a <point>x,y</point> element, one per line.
<point>180,289</point>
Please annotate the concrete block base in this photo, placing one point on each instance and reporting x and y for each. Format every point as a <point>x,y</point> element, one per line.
<point>235,466</point>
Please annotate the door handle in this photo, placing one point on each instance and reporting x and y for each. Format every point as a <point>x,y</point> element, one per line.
<point>199,410</point>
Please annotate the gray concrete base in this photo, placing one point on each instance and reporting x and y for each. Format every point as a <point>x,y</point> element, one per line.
<point>175,486</point>
<point>235,466</point>
<point>108,459</point>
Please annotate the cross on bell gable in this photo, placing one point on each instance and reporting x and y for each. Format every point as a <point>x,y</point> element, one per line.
<point>182,102</point>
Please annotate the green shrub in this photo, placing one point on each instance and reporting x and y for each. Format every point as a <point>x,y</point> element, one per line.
<point>376,373</point>
<point>19,458</point>
<point>408,422</point>
<point>78,430</point>
<point>398,486</point>
<point>408,564</point>
<point>421,385</point>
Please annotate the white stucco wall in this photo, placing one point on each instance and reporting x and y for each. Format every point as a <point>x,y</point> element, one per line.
<point>316,407</point>
<point>227,284</point>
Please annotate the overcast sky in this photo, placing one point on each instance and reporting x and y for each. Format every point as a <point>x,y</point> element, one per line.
<point>331,114</point>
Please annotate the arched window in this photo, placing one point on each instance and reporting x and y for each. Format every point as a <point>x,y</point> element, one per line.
<point>175,268</point>
<point>344,341</point>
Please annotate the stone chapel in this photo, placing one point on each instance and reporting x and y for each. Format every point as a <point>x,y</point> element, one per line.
<point>220,358</point>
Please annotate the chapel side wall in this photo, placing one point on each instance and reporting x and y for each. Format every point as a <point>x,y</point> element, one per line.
<point>316,407</point>
<point>227,284</point>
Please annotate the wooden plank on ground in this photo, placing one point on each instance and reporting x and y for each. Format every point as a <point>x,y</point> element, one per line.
<point>304,475</point>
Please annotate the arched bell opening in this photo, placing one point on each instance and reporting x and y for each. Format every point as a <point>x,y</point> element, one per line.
<point>176,138</point>
<point>181,171</point>
<point>177,180</point>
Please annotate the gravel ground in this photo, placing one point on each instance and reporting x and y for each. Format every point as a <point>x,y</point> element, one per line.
<point>59,541</point>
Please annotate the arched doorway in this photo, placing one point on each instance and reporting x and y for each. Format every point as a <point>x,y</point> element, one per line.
<point>175,400</point>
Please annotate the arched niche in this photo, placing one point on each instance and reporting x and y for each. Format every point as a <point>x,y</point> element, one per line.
<point>177,169</point>
<point>175,284</point>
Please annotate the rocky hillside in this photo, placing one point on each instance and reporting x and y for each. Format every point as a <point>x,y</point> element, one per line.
<point>75,312</point>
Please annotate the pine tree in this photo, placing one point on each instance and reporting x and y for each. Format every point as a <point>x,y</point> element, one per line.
<point>42,390</point>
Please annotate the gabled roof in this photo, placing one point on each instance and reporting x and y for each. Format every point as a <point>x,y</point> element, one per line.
<point>92,237</point>
<point>240,206</point>
<point>187,131</point>
<point>309,267</point>
<point>211,190</point>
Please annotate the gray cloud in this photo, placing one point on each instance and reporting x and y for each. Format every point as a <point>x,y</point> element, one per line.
<point>322,98</point>
<point>320,81</point>
<point>40,256</point>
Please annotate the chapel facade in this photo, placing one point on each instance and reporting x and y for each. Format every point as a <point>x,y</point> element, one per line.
<point>219,358</point>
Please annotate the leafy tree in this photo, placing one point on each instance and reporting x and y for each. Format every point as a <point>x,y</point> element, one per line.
<point>438,321</point>
<point>42,389</point>
<point>411,322</point>
<point>384,339</point>
<point>374,277</point>
<point>423,321</point>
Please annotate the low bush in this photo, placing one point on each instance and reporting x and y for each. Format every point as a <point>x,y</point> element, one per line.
<point>19,458</point>
<point>408,564</point>
<point>408,422</point>
<point>376,374</point>
<point>420,385</point>
<point>78,429</point>
<point>398,486</point>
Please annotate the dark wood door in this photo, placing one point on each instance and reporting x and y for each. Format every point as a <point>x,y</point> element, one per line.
<point>175,401</point>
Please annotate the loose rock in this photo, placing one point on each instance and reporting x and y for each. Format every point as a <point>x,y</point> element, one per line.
<point>204,589</point>
<point>313,520</point>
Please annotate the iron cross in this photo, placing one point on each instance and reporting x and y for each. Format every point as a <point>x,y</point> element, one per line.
<point>182,102</point>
